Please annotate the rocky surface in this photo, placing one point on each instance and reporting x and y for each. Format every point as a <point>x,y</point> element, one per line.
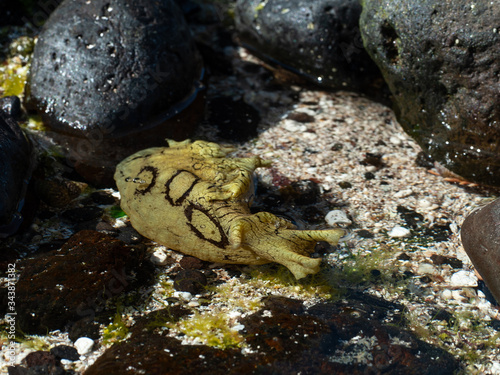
<point>341,338</point>
<point>122,69</point>
<point>332,152</point>
<point>481,239</point>
<point>441,62</point>
<point>319,40</point>
<point>63,286</point>
<point>16,164</point>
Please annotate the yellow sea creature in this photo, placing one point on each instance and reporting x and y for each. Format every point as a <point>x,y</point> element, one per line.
<point>190,197</point>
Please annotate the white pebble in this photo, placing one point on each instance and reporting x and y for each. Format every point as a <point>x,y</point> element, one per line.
<point>395,141</point>
<point>159,258</point>
<point>84,345</point>
<point>427,269</point>
<point>238,327</point>
<point>337,217</point>
<point>399,232</point>
<point>403,193</point>
<point>294,127</point>
<point>463,278</point>
<point>495,367</point>
<point>447,294</point>
<point>424,203</point>
<point>185,296</point>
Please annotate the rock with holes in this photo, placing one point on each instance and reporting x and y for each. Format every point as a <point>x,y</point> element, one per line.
<point>441,61</point>
<point>319,40</point>
<point>192,198</point>
<point>109,76</point>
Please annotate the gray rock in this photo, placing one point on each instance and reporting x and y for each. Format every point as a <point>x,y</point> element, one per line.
<point>114,70</point>
<point>480,235</point>
<point>16,166</point>
<point>317,39</point>
<point>441,61</point>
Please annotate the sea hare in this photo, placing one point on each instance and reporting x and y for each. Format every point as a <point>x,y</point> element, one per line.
<point>192,198</point>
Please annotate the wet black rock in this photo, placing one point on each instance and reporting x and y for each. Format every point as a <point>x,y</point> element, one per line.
<point>111,76</point>
<point>16,167</point>
<point>235,119</point>
<point>65,352</point>
<point>318,39</point>
<point>189,280</point>
<point>451,261</point>
<point>82,214</point>
<point>56,191</point>
<point>480,235</point>
<point>63,286</point>
<point>411,217</point>
<point>441,61</point>
<point>302,192</point>
<point>344,337</point>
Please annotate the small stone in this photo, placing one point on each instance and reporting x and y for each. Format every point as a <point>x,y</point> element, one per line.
<point>192,281</point>
<point>300,117</point>
<point>184,296</point>
<point>399,232</point>
<point>427,269</point>
<point>65,352</point>
<point>84,345</point>
<point>457,295</point>
<point>40,358</point>
<point>192,263</point>
<point>463,278</point>
<point>345,185</point>
<point>446,294</point>
<point>159,258</point>
<point>337,217</point>
<point>363,233</point>
<point>440,259</point>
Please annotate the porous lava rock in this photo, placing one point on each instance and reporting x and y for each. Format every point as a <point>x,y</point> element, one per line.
<point>319,40</point>
<point>112,76</point>
<point>16,166</point>
<point>480,236</point>
<point>441,61</point>
<point>60,287</point>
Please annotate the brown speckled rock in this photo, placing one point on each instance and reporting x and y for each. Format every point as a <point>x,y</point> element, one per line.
<point>287,338</point>
<point>481,239</point>
<point>63,286</point>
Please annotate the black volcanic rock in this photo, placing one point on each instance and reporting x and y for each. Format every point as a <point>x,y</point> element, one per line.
<point>16,166</point>
<point>441,61</point>
<point>319,40</point>
<point>109,77</point>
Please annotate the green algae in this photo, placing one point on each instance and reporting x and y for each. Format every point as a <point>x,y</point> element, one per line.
<point>212,329</point>
<point>14,68</point>
<point>116,212</point>
<point>116,331</point>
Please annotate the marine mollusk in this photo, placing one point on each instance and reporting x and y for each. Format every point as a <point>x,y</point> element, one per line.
<point>192,198</point>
